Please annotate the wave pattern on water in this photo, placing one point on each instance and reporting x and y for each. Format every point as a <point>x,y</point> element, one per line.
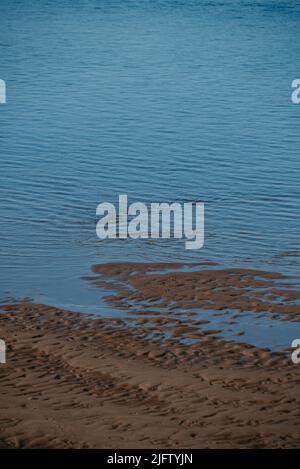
<point>161,100</point>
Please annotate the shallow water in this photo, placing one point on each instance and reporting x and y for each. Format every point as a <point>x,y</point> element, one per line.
<point>161,100</point>
<point>246,327</point>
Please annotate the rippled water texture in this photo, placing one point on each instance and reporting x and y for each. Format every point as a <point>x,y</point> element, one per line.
<point>161,100</point>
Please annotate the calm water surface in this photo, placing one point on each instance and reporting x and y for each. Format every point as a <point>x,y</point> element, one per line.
<point>160,100</point>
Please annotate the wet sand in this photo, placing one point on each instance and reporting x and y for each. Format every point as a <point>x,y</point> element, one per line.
<point>73,381</point>
<point>189,286</point>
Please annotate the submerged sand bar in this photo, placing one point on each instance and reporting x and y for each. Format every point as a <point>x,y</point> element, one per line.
<point>263,307</point>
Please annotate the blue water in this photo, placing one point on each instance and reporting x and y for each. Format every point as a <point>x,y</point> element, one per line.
<point>161,100</point>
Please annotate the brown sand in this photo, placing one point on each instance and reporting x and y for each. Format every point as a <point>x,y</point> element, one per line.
<point>80,382</point>
<point>219,289</point>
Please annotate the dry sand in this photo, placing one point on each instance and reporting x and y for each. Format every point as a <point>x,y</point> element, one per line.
<point>70,382</point>
<point>73,381</point>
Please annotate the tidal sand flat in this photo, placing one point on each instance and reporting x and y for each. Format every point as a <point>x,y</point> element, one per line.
<point>148,380</point>
<point>261,306</point>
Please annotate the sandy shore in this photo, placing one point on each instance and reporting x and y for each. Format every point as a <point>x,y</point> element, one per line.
<point>77,382</point>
